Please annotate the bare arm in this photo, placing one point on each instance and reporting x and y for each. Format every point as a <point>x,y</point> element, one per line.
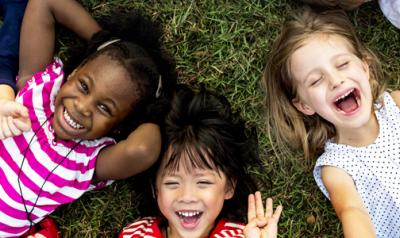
<point>396,97</point>
<point>7,92</point>
<point>347,203</point>
<point>37,32</point>
<point>131,156</point>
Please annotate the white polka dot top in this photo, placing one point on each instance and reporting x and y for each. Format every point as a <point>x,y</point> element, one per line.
<point>375,170</point>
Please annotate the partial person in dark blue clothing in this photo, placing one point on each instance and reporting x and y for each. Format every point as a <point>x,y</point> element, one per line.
<point>16,121</point>
<point>12,12</point>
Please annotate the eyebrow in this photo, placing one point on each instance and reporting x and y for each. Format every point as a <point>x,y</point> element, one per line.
<point>204,174</point>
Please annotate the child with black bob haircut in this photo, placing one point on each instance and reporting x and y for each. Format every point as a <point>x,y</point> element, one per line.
<point>200,186</point>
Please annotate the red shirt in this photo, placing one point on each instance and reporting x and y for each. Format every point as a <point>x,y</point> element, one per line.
<point>148,228</point>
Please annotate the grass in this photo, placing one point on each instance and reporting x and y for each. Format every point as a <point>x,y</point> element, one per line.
<point>224,45</point>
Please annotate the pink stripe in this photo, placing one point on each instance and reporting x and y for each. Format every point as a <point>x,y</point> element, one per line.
<point>6,208</point>
<point>55,178</point>
<point>43,171</point>
<point>12,193</point>
<point>27,101</point>
<point>15,195</point>
<point>88,150</point>
<point>70,163</point>
<point>82,149</point>
<point>46,91</point>
<point>13,230</point>
<point>24,179</point>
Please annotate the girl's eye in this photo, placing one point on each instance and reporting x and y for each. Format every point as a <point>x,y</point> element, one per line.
<point>171,184</point>
<point>104,109</point>
<point>204,183</point>
<point>315,82</point>
<point>83,86</point>
<point>343,65</point>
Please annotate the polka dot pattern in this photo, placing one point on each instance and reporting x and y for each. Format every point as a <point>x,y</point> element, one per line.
<point>375,170</point>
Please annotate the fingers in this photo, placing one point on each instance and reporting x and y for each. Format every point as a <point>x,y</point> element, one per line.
<point>277,213</point>
<point>12,127</point>
<point>259,205</point>
<point>4,128</point>
<point>256,210</point>
<point>20,111</point>
<point>251,230</point>
<point>268,208</point>
<point>23,124</point>
<point>14,119</point>
<point>251,209</point>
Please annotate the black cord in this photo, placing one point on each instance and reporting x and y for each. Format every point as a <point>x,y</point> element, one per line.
<point>28,214</point>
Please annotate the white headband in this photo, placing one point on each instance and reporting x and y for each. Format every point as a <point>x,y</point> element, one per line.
<point>107,43</point>
<point>159,87</point>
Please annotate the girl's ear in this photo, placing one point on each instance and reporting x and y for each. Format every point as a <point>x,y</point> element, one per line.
<point>302,107</point>
<point>230,190</point>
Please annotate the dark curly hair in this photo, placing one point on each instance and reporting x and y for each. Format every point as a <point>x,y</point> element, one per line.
<point>139,49</point>
<point>202,126</point>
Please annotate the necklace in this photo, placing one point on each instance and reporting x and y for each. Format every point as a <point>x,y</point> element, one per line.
<point>29,213</point>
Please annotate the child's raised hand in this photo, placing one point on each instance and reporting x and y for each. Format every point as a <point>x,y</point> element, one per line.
<point>37,236</point>
<point>14,119</point>
<point>260,224</point>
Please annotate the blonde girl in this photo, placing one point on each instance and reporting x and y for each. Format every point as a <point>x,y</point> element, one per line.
<point>325,95</point>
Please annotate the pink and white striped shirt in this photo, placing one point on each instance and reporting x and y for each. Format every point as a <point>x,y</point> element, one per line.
<point>148,227</point>
<point>42,153</point>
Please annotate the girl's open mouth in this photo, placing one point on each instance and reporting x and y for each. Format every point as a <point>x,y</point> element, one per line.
<point>70,121</point>
<point>349,102</point>
<point>189,219</point>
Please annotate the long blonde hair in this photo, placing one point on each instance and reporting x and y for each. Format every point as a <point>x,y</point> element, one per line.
<point>344,4</point>
<point>288,127</point>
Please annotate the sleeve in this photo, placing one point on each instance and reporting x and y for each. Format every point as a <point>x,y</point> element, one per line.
<point>228,229</point>
<point>40,91</point>
<point>51,76</point>
<point>145,227</point>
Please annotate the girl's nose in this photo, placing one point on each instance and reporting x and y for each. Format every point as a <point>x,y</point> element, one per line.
<point>335,79</point>
<point>82,105</point>
<point>187,194</point>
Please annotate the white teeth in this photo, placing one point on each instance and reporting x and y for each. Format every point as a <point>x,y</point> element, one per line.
<point>188,214</point>
<point>71,122</point>
<point>345,95</point>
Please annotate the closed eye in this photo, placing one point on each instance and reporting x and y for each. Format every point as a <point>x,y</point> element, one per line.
<point>204,183</point>
<point>343,65</point>
<point>315,82</point>
<point>171,184</point>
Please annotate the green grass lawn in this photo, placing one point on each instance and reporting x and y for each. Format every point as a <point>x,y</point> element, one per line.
<point>224,45</point>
